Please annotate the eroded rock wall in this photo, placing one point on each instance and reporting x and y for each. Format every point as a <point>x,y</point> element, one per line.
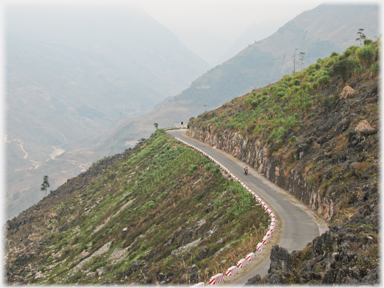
<point>251,151</point>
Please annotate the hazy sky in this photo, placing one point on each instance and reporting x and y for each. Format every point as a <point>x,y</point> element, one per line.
<point>225,18</point>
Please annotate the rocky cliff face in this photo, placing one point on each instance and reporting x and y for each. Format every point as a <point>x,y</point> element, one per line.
<point>333,140</point>
<point>329,161</point>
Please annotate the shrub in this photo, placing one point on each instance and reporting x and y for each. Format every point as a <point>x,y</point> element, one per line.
<point>344,67</point>
<point>311,180</point>
<point>317,66</point>
<point>209,166</point>
<point>291,122</point>
<point>324,80</point>
<point>192,168</point>
<point>320,98</point>
<point>305,85</point>
<point>347,52</point>
<point>360,70</point>
<point>278,133</point>
<point>147,206</point>
<point>244,200</point>
<point>331,101</point>
<point>335,98</point>
<point>368,42</point>
<point>327,102</point>
<point>288,91</point>
<point>366,55</point>
<point>98,265</point>
<point>292,139</point>
<point>280,94</point>
<point>265,91</point>
<point>329,63</point>
<point>219,203</point>
<point>375,67</point>
<point>215,169</point>
<point>296,82</point>
<point>295,89</point>
<point>300,93</point>
<point>315,85</point>
<point>273,88</point>
<point>306,105</point>
<point>334,54</point>
<point>249,100</point>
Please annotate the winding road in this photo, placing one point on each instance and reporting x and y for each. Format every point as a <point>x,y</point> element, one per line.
<point>297,224</point>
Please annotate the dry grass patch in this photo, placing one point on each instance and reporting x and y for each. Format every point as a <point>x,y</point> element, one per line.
<point>347,91</point>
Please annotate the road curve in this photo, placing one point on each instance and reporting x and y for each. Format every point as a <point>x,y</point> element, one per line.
<point>297,224</point>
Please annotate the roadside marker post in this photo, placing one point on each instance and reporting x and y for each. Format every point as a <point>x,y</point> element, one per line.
<point>241,263</point>
<point>217,279</point>
<point>231,271</point>
<point>250,256</point>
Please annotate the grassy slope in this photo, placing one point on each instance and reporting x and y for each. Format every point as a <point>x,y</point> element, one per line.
<point>153,190</point>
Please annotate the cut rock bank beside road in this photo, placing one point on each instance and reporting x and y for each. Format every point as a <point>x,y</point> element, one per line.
<point>289,211</point>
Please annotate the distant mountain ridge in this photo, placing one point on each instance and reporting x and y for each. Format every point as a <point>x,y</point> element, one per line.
<point>83,67</point>
<point>317,33</point>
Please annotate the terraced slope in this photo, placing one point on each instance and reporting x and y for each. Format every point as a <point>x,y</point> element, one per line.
<point>158,213</point>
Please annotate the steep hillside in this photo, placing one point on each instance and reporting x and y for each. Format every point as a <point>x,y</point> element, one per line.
<point>315,134</point>
<point>158,213</point>
<point>317,33</point>
<point>72,72</point>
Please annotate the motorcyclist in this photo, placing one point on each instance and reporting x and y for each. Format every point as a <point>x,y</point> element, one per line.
<point>246,170</point>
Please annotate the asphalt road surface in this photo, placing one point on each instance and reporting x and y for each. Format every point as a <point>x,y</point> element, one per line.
<point>296,226</point>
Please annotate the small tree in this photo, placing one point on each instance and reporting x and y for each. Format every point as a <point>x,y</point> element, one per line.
<point>361,35</point>
<point>45,185</point>
<point>156,125</point>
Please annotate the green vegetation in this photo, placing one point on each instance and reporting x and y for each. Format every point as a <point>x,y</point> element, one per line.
<point>153,194</point>
<point>305,133</point>
<point>366,55</point>
<point>293,112</point>
<point>272,111</point>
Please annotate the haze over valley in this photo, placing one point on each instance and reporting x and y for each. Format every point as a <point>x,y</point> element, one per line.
<point>79,89</point>
<point>72,72</point>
